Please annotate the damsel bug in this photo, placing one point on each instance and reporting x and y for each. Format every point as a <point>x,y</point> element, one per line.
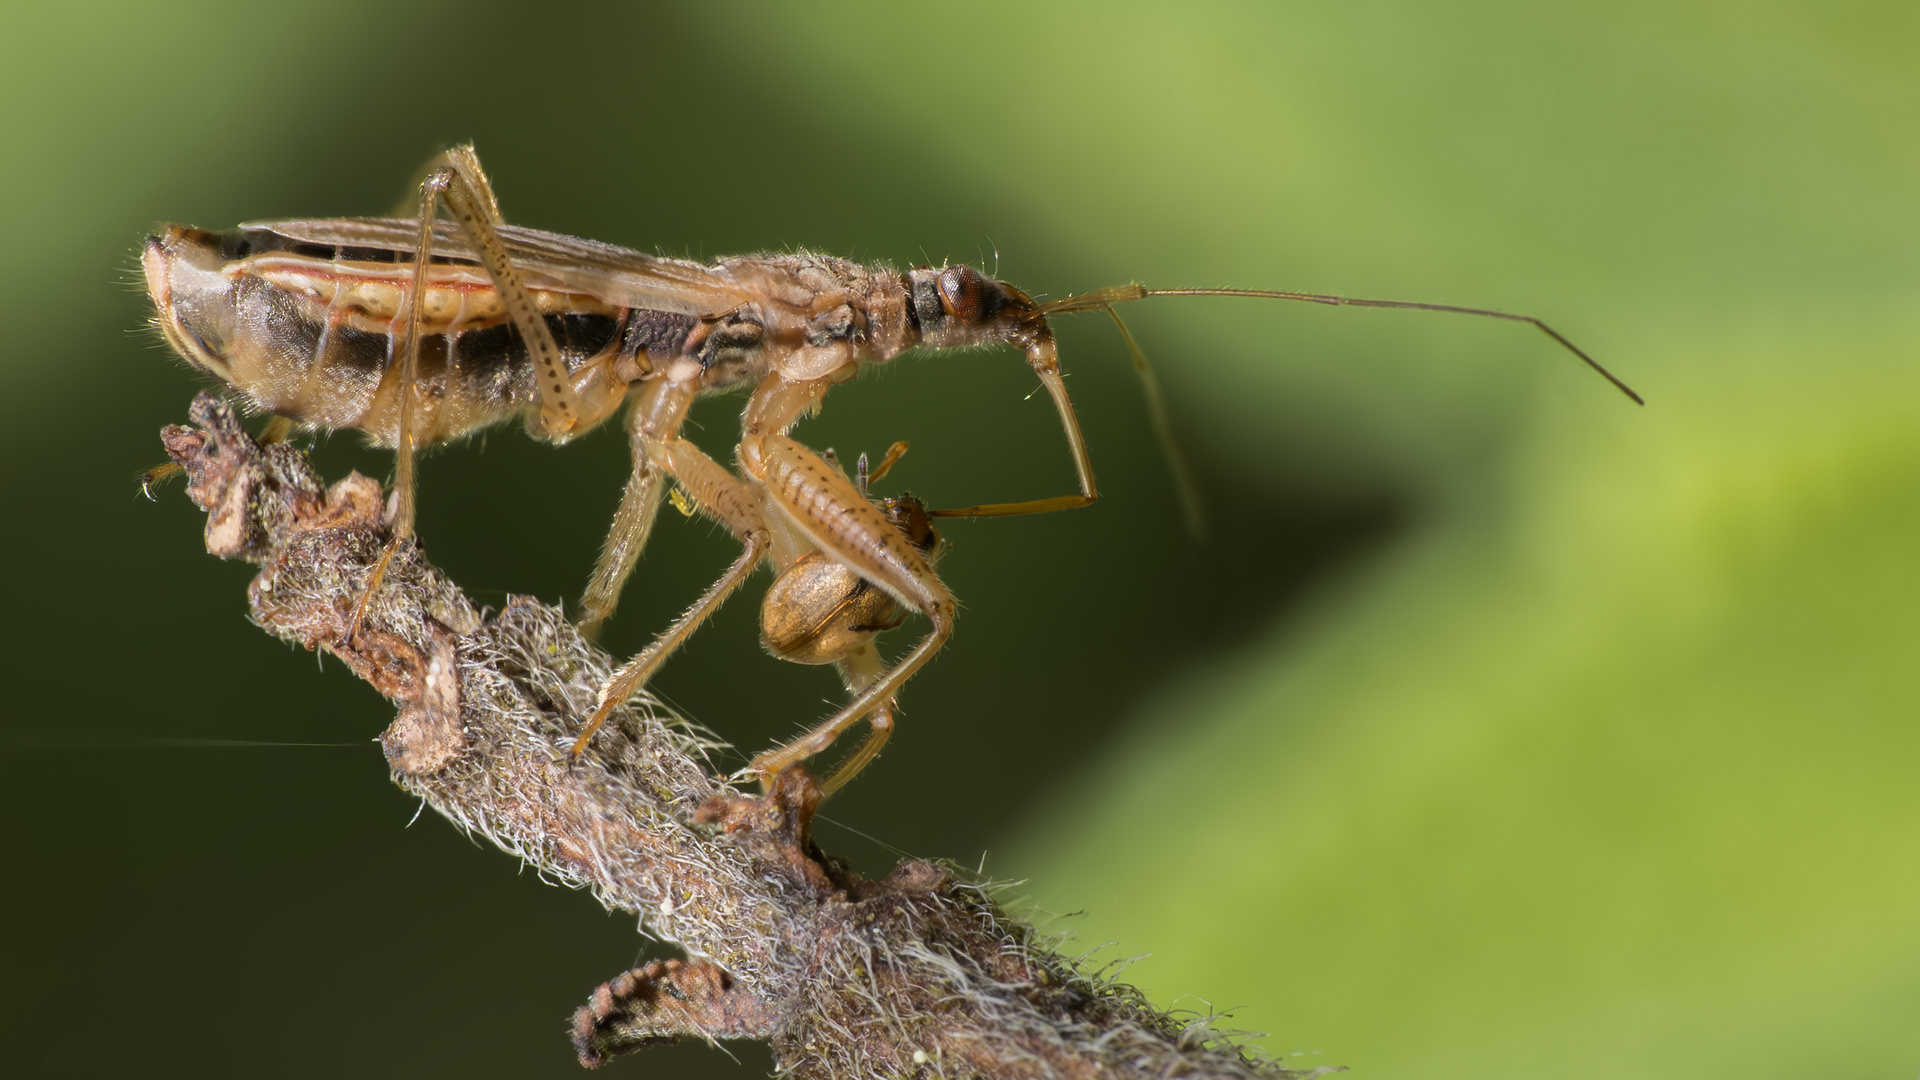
<point>419,331</point>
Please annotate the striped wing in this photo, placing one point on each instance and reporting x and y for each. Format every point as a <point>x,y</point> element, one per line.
<point>546,260</point>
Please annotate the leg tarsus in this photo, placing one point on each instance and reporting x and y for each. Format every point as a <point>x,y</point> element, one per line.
<point>881,718</point>
<point>373,585</point>
<point>159,474</point>
<point>276,431</point>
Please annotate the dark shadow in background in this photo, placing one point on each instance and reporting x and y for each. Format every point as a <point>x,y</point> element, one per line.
<point>210,911</point>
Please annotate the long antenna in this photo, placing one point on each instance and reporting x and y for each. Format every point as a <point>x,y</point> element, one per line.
<point>1104,299</point>
<point>1191,506</point>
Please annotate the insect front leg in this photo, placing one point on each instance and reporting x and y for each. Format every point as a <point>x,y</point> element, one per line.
<point>1045,362</point>
<point>819,502</point>
<point>820,611</point>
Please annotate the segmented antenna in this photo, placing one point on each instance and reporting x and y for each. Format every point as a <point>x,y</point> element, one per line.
<point>1104,299</point>
<point>1190,504</point>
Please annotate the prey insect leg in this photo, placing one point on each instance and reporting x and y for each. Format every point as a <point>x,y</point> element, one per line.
<point>893,455</point>
<point>860,671</point>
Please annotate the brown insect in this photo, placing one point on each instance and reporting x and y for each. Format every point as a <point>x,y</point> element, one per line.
<point>819,611</point>
<point>420,331</point>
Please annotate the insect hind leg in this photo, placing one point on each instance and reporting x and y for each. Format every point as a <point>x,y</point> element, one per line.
<point>459,181</point>
<point>436,182</point>
<point>469,198</point>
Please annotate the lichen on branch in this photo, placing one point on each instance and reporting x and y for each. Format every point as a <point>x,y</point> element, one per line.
<point>918,974</point>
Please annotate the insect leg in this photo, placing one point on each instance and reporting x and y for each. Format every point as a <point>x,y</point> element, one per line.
<point>1045,362</point>
<point>658,409</point>
<point>819,502</point>
<point>403,482</point>
<point>159,474</point>
<point>718,493</point>
<point>470,200</point>
<point>874,703</point>
<point>403,479</point>
<point>860,670</point>
<point>461,182</point>
<point>276,431</point>
<point>894,453</point>
<point>632,525</point>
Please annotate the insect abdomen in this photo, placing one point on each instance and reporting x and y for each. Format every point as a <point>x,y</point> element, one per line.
<point>319,339</point>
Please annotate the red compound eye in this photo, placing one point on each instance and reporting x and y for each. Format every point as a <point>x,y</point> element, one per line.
<point>963,294</point>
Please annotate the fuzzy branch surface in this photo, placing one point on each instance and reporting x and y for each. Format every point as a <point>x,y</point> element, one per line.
<point>917,975</point>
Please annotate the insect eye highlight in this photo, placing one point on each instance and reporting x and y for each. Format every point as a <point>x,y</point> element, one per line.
<point>963,294</point>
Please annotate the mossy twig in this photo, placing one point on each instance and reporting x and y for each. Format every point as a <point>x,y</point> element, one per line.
<point>919,974</point>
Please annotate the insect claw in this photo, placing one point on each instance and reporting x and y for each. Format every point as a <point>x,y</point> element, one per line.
<point>680,502</point>
<point>373,586</point>
<point>893,455</point>
<point>157,475</point>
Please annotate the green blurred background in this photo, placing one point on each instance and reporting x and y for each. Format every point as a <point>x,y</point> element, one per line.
<point>1502,729</point>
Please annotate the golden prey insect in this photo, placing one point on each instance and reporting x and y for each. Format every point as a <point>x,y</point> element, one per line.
<point>417,331</point>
